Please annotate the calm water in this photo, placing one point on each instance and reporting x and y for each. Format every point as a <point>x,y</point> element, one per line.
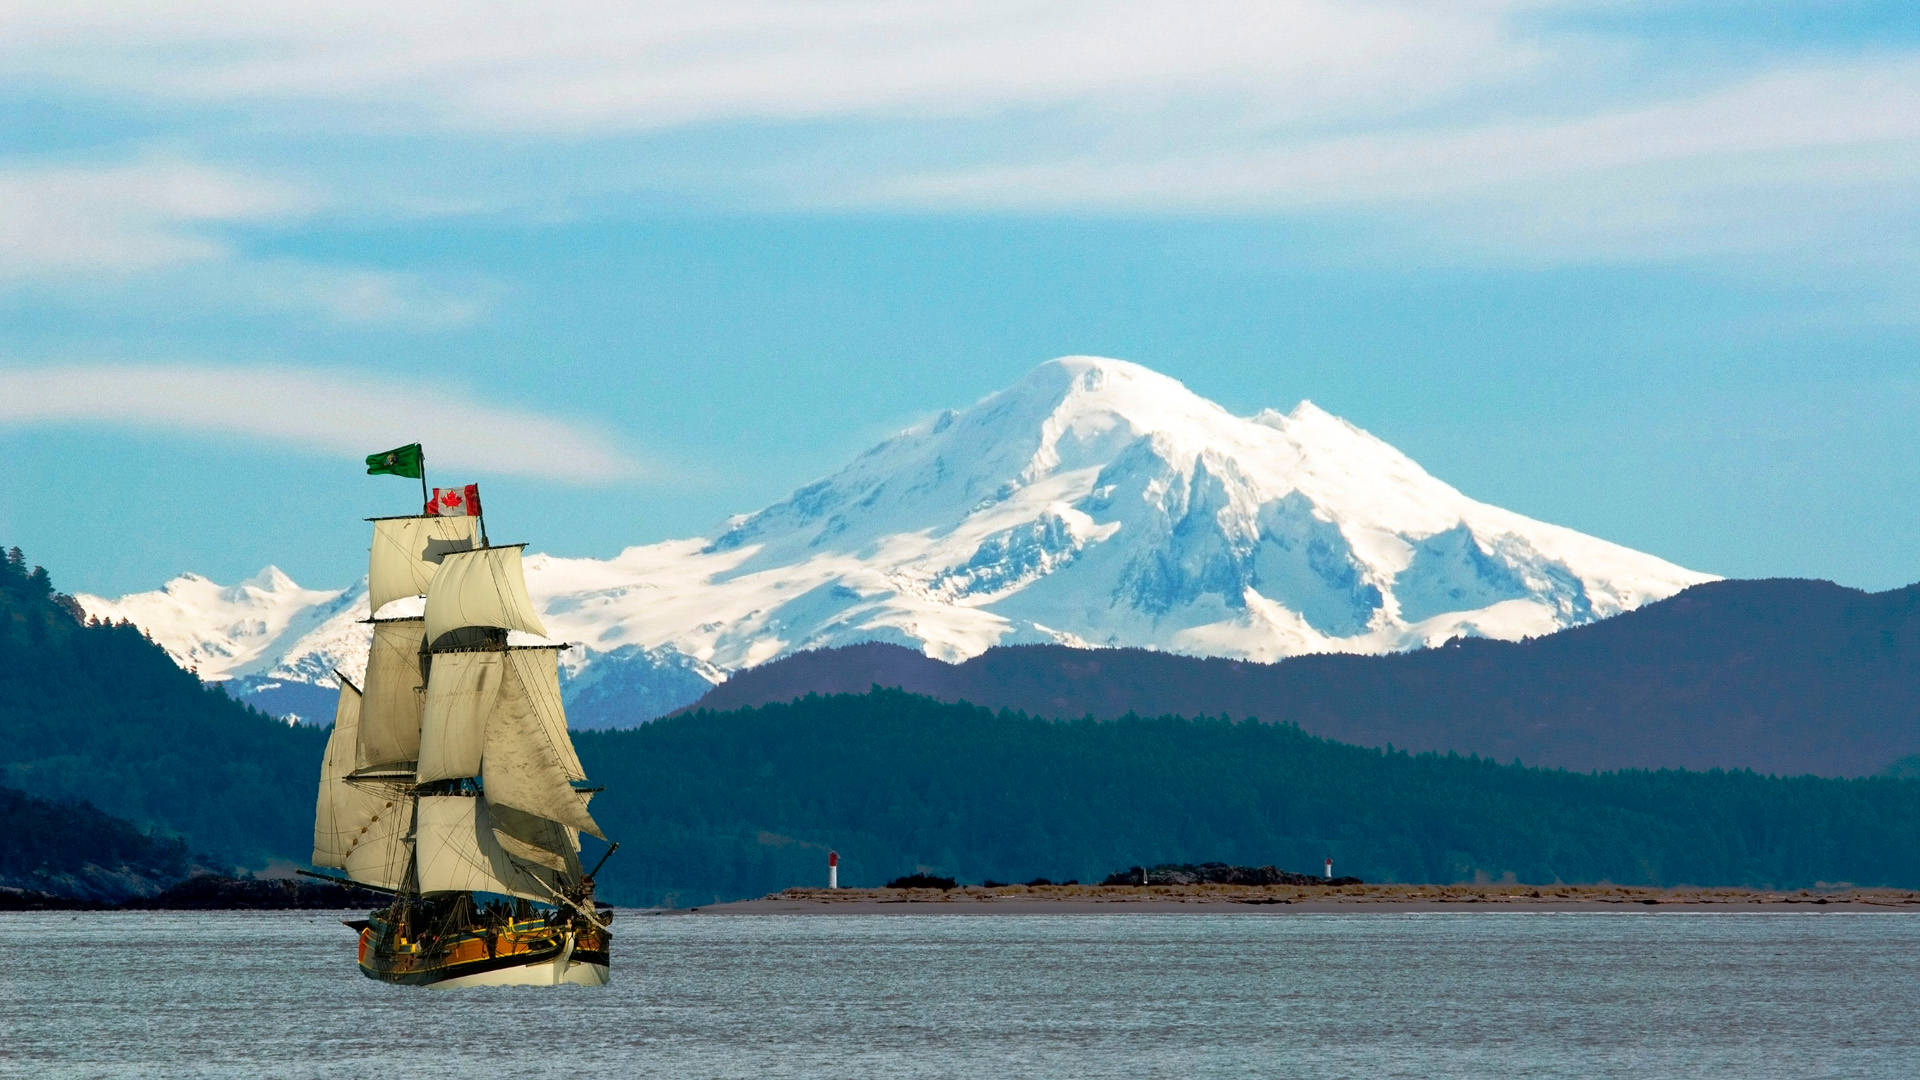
<point>1373,995</point>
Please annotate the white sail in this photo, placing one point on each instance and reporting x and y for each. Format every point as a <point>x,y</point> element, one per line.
<point>537,840</point>
<point>484,587</point>
<point>390,715</point>
<point>536,673</point>
<point>358,827</point>
<point>407,551</point>
<point>458,852</point>
<point>462,692</point>
<point>337,813</point>
<point>528,762</point>
<point>379,852</point>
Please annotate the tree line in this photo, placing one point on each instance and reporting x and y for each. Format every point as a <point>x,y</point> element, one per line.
<point>722,805</point>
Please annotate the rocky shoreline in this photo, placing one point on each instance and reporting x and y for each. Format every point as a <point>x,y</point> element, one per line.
<point>211,893</point>
<point>1321,898</point>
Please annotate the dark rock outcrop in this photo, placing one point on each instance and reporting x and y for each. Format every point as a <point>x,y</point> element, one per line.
<point>1214,873</point>
<point>208,892</point>
<point>922,881</point>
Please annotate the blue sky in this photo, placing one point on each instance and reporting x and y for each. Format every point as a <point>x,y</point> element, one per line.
<point>1649,270</point>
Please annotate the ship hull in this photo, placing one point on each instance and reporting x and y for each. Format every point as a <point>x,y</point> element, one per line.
<point>547,973</point>
<point>526,954</point>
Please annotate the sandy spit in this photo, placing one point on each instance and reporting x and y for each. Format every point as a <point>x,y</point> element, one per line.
<point>1293,899</point>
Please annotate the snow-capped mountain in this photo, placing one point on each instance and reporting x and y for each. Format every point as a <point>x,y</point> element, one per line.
<point>1095,502</point>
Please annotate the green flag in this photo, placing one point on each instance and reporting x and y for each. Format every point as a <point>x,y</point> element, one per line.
<point>400,461</point>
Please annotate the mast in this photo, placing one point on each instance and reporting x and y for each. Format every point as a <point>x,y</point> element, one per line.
<point>450,768</point>
<point>499,810</point>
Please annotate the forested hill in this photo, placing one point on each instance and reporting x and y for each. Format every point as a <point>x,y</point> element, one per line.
<point>1780,676</point>
<point>98,713</point>
<point>75,850</point>
<point>719,805</point>
<point>739,803</point>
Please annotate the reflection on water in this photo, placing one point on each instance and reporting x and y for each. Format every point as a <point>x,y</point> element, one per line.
<point>1364,995</point>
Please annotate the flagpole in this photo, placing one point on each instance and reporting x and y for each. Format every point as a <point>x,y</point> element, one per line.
<point>424,497</point>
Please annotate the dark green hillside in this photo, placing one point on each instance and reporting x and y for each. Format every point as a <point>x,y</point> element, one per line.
<point>75,850</point>
<point>741,803</point>
<point>99,713</point>
<point>733,804</point>
<point>1777,676</point>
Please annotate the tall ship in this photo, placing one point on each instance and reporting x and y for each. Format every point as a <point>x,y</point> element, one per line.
<point>449,780</point>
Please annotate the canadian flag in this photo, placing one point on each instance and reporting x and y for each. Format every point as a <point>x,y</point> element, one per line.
<point>455,502</point>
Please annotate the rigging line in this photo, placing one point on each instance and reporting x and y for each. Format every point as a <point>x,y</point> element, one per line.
<point>487,868</point>
<point>591,916</point>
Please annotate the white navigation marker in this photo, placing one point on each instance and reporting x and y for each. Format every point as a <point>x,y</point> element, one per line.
<point>833,869</point>
<point>1329,867</point>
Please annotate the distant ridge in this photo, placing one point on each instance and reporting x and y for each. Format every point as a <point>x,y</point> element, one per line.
<point>1780,676</point>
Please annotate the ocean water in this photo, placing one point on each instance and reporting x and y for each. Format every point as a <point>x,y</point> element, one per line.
<point>1246,995</point>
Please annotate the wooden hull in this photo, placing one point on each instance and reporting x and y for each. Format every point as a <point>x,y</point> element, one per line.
<point>528,953</point>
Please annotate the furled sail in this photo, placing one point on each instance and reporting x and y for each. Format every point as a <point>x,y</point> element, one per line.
<point>462,692</point>
<point>483,587</point>
<point>528,762</point>
<point>407,551</point>
<point>458,852</point>
<point>390,714</point>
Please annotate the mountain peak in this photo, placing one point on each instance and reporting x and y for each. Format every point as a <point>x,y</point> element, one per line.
<point>1080,366</point>
<point>1099,382</point>
<point>271,579</point>
<point>1093,502</point>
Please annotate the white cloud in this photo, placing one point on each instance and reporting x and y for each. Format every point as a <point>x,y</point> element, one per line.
<point>1793,112</point>
<point>358,295</point>
<point>1773,160</point>
<point>337,412</point>
<point>1467,127</point>
<point>622,66</point>
<point>166,220</point>
<point>133,216</point>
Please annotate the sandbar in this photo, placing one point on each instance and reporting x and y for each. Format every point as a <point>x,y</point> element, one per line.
<point>1294,899</point>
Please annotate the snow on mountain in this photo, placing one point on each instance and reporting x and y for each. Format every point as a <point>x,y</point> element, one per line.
<point>222,630</point>
<point>1095,502</point>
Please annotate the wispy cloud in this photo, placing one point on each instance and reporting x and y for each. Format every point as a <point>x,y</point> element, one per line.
<point>130,216</point>
<point>330,411</point>
<point>1832,107</point>
<point>166,221</point>
<point>1510,129</point>
<point>619,66</point>
<point>1735,168</point>
<point>358,295</point>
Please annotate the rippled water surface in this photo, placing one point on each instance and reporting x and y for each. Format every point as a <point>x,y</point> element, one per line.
<point>1364,995</point>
